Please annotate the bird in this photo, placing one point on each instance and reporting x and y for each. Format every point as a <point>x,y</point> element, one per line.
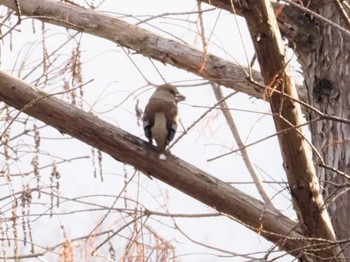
<point>160,116</point>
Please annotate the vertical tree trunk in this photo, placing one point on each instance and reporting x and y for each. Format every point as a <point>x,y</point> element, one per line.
<point>326,72</point>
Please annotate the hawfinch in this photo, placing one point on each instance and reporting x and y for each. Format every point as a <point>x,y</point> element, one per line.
<point>160,116</point>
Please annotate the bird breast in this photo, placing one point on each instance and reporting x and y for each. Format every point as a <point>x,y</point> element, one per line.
<point>159,129</point>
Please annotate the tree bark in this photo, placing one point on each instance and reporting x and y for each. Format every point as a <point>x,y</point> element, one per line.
<point>326,73</point>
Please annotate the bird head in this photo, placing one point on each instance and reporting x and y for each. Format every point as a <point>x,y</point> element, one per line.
<point>170,91</point>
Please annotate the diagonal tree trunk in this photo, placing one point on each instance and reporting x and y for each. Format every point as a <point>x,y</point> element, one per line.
<point>266,221</point>
<point>300,170</point>
<point>324,54</point>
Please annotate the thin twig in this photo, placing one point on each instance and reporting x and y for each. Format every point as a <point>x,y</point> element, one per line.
<point>93,253</point>
<point>320,17</point>
<point>112,206</point>
<point>33,102</point>
<point>343,12</point>
<point>200,118</point>
<point>19,19</point>
<point>263,139</point>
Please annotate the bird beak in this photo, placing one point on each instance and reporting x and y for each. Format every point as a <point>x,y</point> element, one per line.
<point>179,97</point>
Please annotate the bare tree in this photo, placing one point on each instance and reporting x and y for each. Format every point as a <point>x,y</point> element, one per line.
<point>317,32</point>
